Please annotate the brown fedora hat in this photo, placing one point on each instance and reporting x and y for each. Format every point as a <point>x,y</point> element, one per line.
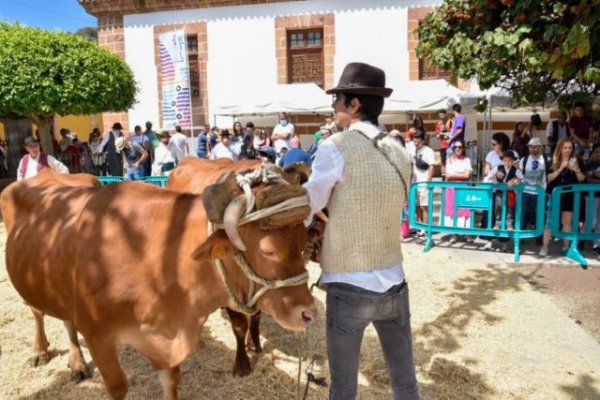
<point>361,78</point>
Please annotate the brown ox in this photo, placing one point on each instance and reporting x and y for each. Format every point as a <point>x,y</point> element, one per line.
<point>192,176</point>
<point>143,274</point>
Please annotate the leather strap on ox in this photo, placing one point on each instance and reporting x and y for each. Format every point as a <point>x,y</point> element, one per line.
<point>260,175</point>
<point>253,294</point>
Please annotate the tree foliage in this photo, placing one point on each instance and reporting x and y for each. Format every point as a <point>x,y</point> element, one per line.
<point>44,72</point>
<point>537,49</point>
<point>88,32</point>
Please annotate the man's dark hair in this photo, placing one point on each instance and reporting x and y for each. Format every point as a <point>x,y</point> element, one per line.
<point>502,139</point>
<point>250,124</point>
<point>137,128</point>
<point>457,107</point>
<point>420,135</point>
<point>579,104</point>
<point>442,111</point>
<point>370,106</point>
<point>148,124</point>
<point>177,128</point>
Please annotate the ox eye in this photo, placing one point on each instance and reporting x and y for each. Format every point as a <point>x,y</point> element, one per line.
<point>268,253</point>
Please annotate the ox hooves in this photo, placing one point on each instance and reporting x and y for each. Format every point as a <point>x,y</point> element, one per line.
<point>80,375</point>
<point>241,371</point>
<point>40,359</point>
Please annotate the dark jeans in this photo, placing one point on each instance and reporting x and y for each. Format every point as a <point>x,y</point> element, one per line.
<point>349,310</point>
<point>529,208</point>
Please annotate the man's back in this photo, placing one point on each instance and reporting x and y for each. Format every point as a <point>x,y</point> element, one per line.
<point>295,155</point>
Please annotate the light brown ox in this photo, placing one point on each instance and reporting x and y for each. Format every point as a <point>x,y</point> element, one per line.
<point>140,273</point>
<point>192,176</point>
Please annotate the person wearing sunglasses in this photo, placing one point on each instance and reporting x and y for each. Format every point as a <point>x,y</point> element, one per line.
<point>458,169</point>
<point>535,167</point>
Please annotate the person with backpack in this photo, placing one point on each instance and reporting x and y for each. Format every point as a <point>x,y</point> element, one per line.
<point>34,161</point>
<point>534,167</point>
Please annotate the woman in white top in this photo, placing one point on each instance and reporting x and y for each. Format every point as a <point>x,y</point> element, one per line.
<point>458,169</point>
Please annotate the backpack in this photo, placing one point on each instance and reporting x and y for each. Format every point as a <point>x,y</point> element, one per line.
<point>43,163</point>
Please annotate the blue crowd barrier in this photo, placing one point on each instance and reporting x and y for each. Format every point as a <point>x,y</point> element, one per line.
<point>105,180</point>
<point>155,180</point>
<point>476,196</point>
<point>587,191</point>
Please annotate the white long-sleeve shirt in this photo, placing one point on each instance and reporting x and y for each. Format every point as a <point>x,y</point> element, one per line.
<point>32,167</point>
<point>327,171</point>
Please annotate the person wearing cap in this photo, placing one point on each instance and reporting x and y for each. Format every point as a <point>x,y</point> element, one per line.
<point>224,148</point>
<point>114,161</point>
<point>34,161</point>
<point>134,156</point>
<point>164,162</point>
<point>534,167</point>
<point>507,173</point>
<point>361,176</point>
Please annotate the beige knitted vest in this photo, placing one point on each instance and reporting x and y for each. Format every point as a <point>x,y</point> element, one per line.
<point>365,209</point>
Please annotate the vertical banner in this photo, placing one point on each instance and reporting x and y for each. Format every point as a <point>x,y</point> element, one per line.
<point>175,80</point>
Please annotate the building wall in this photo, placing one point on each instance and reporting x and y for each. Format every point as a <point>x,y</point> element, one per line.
<point>242,53</point>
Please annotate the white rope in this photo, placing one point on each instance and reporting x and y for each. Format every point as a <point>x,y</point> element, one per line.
<point>260,175</point>
<point>285,205</point>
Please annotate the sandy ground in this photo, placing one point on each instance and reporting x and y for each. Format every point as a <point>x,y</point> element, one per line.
<point>481,330</point>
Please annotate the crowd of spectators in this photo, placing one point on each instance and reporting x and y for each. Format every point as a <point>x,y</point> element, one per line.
<point>571,156</point>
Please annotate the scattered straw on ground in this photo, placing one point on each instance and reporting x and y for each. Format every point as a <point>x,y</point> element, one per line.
<point>480,332</point>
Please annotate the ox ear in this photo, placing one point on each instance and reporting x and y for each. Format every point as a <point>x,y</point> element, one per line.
<point>217,245</point>
<point>217,197</point>
<point>297,173</point>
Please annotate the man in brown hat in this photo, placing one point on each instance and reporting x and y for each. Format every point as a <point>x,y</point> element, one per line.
<point>34,161</point>
<point>113,159</point>
<point>362,175</point>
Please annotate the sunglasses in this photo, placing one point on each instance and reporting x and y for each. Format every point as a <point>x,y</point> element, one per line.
<point>457,147</point>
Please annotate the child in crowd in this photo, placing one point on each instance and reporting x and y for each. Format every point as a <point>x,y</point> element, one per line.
<point>507,173</point>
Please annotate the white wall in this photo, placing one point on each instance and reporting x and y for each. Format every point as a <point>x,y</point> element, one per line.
<point>241,44</point>
<point>374,36</point>
<point>139,54</point>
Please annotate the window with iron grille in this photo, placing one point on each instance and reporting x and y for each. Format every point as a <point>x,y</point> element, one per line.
<point>192,45</point>
<point>305,56</point>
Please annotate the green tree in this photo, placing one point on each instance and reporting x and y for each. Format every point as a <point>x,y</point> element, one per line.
<point>43,73</point>
<point>88,32</point>
<point>537,49</point>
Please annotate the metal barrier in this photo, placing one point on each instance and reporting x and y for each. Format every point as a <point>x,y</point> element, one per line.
<point>469,197</point>
<point>155,180</point>
<point>579,192</point>
<point>105,180</point>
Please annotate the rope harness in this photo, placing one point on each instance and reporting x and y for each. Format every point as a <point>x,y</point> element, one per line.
<point>260,175</point>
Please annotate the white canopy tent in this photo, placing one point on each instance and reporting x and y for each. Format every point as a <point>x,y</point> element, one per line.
<point>427,95</point>
<point>308,98</point>
<point>300,98</point>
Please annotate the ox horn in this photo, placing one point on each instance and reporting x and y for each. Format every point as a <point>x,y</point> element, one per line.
<point>231,218</point>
